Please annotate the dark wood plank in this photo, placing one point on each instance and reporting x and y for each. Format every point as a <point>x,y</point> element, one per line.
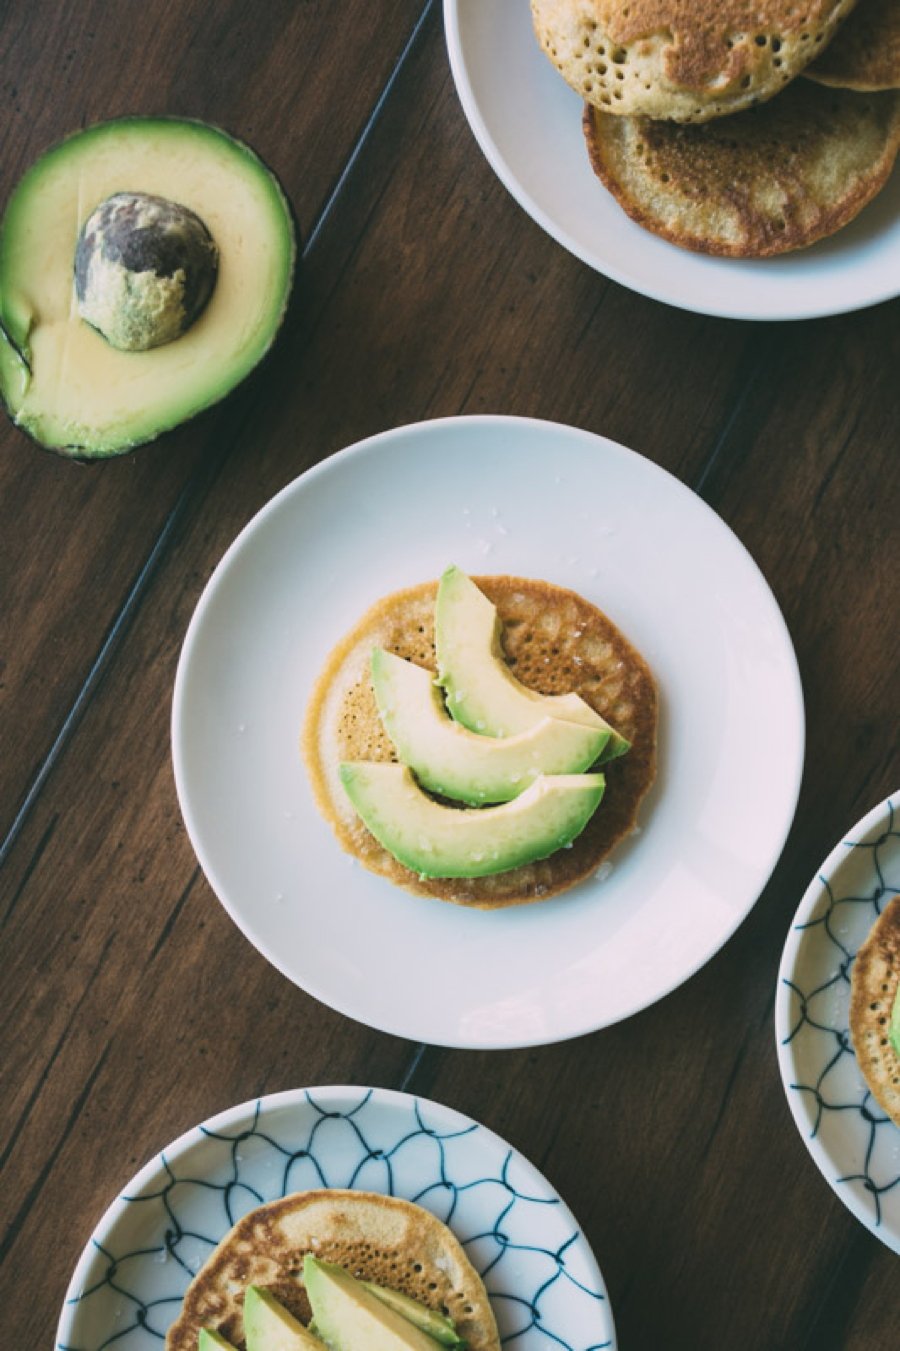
<point>74,540</point>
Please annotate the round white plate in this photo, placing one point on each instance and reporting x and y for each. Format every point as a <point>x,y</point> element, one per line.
<point>853,1141</point>
<point>528,123</point>
<point>505,495</point>
<point>541,1276</point>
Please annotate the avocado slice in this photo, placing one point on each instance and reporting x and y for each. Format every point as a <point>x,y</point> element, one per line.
<point>436,1325</point>
<point>119,222</point>
<point>894,1028</point>
<point>269,1326</point>
<point>351,1318</point>
<point>210,1340</point>
<point>482,692</point>
<point>449,759</point>
<point>438,841</point>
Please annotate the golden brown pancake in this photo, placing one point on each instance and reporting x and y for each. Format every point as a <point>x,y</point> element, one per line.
<point>764,182</point>
<point>688,60</point>
<point>865,55</point>
<point>377,1238</point>
<point>555,642</point>
<point>873,989</point>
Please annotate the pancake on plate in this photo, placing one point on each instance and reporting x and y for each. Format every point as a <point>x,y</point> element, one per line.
<point>383,1239</point>
<point>775,178</point>
<point>555,642</point>
<point>865,55</point>
<point>873,990</point>
<point>687,60</point>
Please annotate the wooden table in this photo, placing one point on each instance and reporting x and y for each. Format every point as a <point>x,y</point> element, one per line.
<point>134,1007</point>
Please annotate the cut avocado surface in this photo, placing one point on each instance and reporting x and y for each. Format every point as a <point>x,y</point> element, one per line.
<point>60,379</point>
<point>449,759</point>
<point>350,1317</point>
<point>438,841</point>
<point>482,692</point>
<point>894,1029</point>
<point>210,1340</point>
<point>269,1326</point>
<point>436,1325</point>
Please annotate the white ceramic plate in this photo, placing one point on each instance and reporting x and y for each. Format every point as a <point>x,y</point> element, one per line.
<point>544,1284</point>
<point>528,123</point>
<point>853,1141</point>
<point>491,494</point>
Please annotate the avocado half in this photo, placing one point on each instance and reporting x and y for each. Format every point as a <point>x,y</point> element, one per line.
<point>61,381</point>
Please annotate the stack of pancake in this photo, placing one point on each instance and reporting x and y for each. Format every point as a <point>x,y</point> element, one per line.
<point>696,123</point>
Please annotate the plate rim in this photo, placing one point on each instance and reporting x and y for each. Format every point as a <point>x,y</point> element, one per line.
<point>299,1097</point>
<point>371,444</point>
<point>823,1160</point>
<point>497,162</point>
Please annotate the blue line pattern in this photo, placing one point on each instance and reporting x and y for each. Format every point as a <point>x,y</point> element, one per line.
<point>543,1296</point>
<point>832,1083</point>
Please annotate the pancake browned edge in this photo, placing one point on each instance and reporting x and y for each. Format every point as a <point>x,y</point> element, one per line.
<point>776,178</point>
<point>873,989</point>
<point>687,60</point>
<point>377,1238</point>
<point>555,642</point>
<point>865,55</point>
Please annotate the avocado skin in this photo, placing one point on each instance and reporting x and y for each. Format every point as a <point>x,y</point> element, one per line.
<point>436,1325</point>
<point>14,347</point>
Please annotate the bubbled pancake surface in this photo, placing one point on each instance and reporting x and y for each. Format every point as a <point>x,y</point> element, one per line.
<point>865,54</point>
<point>555,642</point>
<point>773,179</point>
<point>873,988</point>
<point>688,60</point>
<point>378,1238</point>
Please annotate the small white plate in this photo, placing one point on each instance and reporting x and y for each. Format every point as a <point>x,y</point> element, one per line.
<point>543,1281</point>
<point>504,495</point>
<point>853,1141</point>
<point>528,123</point>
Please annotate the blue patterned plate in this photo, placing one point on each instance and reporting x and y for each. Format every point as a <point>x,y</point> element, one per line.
<point>854,1143</point>
<point>540,1273</point>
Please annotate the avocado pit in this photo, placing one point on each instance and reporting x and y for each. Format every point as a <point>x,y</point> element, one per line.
<point>145,268</point>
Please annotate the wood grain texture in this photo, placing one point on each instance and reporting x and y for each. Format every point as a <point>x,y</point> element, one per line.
<point>134,1007</point>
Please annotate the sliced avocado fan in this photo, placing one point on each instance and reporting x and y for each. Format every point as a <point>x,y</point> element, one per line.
<point>450,760</point>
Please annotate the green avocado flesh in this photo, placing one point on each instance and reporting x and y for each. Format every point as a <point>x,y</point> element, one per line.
<point>61,381</point>
<point>350,1317</point>
<point>268,1325</point>
<point>894,1029</point>
<point>438,841</point>
<point>210,1340</point>
<point>449,759</point>
<point>482,692</point>
<point>436,1325</point>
